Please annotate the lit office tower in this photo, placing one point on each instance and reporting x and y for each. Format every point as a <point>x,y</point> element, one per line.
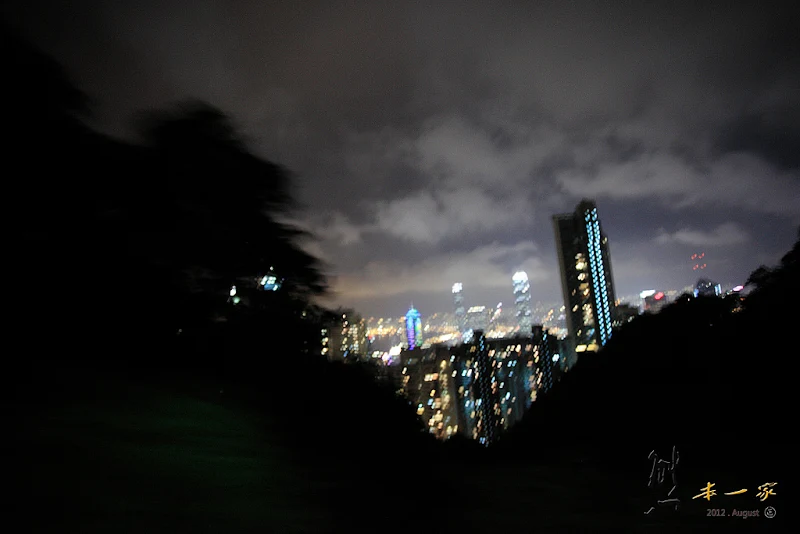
<point>522,301</point>
<point>546,358</point>
<point>486,392</point>
<point>413,328</point>
<point>458,303</point>
<point>586,279</point>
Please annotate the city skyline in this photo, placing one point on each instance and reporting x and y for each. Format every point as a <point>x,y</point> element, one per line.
<point>634,299</point>
<point>432,144</point>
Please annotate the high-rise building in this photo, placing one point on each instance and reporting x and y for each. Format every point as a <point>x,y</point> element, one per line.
<point>428,382</point>
<point>586,279</point>
<point>413,328</point>
<point>482,388</point>
<point>494,316</point>
<point>522,301</point>
<point>458,303</point>
<point>344,336</point>
<point>546,358</point>
<point>486,392</point>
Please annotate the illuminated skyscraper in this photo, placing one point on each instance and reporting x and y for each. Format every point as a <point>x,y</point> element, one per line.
<point>496,314</point>
<point>413,328</point>
<point>546,357</point>
<point>458,303</point>
<point>522,301</point>
<point>586,279</point>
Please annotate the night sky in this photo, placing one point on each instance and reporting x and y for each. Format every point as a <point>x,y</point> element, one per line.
<point>432,144</point>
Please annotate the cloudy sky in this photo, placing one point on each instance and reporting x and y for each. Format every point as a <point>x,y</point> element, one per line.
<point>433,143</point>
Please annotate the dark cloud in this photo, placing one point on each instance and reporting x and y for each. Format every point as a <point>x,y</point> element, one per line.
<point>723,235</point>
<point>434,142</point>
<point>773,136</point>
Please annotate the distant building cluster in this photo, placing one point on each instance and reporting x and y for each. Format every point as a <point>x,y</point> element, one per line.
<point>344,337</point>
<point>481,388</point>
<point>707,288</point>
<point>522,300</point>
<point>654,301</point>
<point>476,370</point>
<point>491,320</point>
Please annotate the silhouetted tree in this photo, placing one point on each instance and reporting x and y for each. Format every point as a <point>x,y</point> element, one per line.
<point>119,245</point>
<point>215,210</point>
<point>772,286</point>
<point>40,91</point>
<point>48,190</point>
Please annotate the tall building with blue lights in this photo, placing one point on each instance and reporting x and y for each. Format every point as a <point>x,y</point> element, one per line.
<point>586,279</point>
<point>413,328</point>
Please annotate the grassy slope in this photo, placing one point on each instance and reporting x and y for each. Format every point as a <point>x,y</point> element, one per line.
<point>134,459</point>
<point>147,461</point>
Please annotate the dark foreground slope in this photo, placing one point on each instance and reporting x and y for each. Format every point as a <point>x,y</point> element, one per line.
<point>709,378</point>
<point>111,452</point>
<point>118,455</point>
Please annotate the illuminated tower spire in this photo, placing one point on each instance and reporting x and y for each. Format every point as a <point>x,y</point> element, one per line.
<point>458,304</point>
<point>522,301</point>
<point>413,328</point>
